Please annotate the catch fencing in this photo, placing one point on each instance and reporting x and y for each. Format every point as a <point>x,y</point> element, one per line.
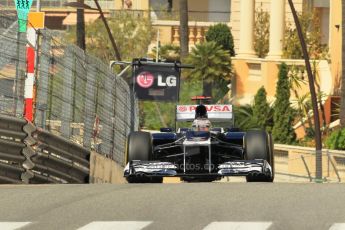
<point>12,65</point>
<point>77,96</point>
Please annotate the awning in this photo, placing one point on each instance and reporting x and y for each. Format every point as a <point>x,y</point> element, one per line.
<point>71,19</point>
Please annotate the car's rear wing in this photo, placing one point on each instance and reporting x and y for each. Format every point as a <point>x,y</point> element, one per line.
<point>220,113</point>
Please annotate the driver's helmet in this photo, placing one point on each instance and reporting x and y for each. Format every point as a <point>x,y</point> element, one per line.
<point>200,112</point>
<point>201,123</point>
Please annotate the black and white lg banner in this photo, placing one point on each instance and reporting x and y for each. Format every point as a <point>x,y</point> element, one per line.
<point>157,83</point>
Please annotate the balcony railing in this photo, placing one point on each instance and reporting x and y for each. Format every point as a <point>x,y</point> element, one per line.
<point>105,4</point>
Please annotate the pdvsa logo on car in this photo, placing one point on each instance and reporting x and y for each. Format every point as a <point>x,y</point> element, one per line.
<point>210,108</point>
<point>146,80</point>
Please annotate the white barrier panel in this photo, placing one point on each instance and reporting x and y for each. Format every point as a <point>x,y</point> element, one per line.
<point>214,112</point>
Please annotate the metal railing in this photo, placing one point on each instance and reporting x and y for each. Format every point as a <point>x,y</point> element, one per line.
<point>12,144</point>
<point>105,4</point>
<point>158,14</point>
<point>31,155</point>
<point>296,163</point>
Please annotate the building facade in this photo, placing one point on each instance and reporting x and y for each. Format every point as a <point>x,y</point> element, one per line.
<point>251,72</point>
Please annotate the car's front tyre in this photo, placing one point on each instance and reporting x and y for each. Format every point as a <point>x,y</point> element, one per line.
<point>259,145</point>
<point>139,147</point>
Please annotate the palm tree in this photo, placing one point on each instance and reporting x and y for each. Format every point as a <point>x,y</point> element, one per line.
<point>212,64</point>
<point>184,28</point>
<point>246,120</point>
<point>301,102</point>
<point>244,117</point>
<point>342,103</point>
<point>303,105</point>
<point>295,80</point>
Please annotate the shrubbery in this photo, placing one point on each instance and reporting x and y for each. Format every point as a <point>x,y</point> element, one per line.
<point>336,140</point>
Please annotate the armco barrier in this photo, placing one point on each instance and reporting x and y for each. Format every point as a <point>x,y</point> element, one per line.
<point>10,174</point>
<point>60,158</point>
<point>30,155</point>
<point>12,144</point>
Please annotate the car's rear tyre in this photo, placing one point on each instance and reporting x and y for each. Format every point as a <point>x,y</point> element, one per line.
<point>259,145</point>
<point>139,147</point>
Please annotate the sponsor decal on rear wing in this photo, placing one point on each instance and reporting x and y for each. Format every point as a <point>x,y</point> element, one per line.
<point>214,112</point>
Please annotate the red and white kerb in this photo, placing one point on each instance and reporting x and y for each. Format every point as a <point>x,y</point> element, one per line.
<point>30,73</point>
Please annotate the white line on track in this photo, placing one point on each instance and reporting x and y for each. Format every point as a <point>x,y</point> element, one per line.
<point>12,225</point>
<point>238,226</point>
<point>118,225</point>
<point>338,226</point>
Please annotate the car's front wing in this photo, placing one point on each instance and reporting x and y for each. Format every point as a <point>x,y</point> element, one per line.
<point>167,169</point>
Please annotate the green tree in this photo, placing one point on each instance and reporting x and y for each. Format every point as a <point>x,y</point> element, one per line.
<point>132,36</point>
<point>168,52</point>
<point>212,64</point>
<point>311,29</point>
<point>283,131</point>
<point>221,34</point>
<point>261,33</point>
<point>261,109</point>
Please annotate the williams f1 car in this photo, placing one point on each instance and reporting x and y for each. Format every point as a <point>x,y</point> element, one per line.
<point>199,153</point>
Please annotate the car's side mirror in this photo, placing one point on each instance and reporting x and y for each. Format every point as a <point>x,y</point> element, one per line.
<point>166,130</point>
<point>232,129</point>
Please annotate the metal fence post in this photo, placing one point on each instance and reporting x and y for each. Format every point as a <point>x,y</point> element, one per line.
<point>132,111</point>
<point>306,168</point>
<point>43,83</point>
<point>114,119</point>
<point>333,165</point>
<point>20,75</point>
<point>136,114</point>
<point>89,104</point>
<point>106,115</point>
<point>67,107</point>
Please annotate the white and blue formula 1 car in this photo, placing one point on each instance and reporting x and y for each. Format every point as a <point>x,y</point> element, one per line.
<point>199,154</point>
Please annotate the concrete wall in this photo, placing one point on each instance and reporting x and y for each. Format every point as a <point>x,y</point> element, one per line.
<point>292,157</point>
<point>105,170</point>
<point>335,44</point>
<point>252,73</point>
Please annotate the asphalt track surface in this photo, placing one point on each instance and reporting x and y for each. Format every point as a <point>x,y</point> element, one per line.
<point>173,206</point>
